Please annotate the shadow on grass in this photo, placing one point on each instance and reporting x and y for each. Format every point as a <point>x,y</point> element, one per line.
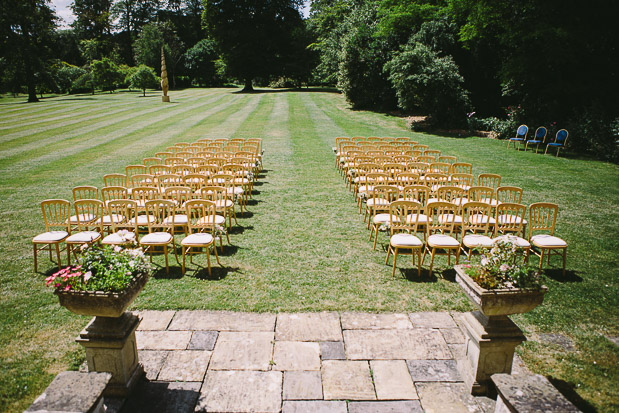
<point>288,90</point>
<point>253,202</point>
<point>411,275</point>
<point>237,229</point>
<point>556,274</point>
<point>176,272</point>
<point>227,251</point>
<point>217,272</point>
<point>569,391</point>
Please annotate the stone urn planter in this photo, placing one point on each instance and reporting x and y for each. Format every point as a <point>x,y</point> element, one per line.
<point>109,338</point>
<point>491,336</point>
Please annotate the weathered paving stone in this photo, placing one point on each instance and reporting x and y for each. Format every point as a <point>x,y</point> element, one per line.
<point>332,350</point>
<point>152,362</point>
<point>446,397</point>
<point>222,321</point>
<point>241,391</point>
<point>405,344</point>
<point>155,320</point>
<point>392,380</point>
<point>518,366</point>
<point>432,320</point>
<point>433,370</point>
<point>613,339</point>
<point>532,393</point>
<point>296,355</point>
<point>243,351</point>
<point>314,406</point>
<point>404,406</point>
<point>458,351</point>
<point>162,397</point>
<point>302,385</point>
<point>203,340</point>
<point>162,340</point>
<point>364,321</point>
<point>348,380</point>
<point>188,365</point>
<point>453,335</point>
<point>308,327</point>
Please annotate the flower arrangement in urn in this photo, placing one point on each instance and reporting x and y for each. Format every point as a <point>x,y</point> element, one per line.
<point>502,266</point>
<point>101,268</point>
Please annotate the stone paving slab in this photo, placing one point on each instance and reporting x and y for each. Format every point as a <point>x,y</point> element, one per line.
<point>241,391</point>
<point>154,320</point>
<point>308,327</point>
<point>446,397</point>
<point>162,340</point>
<point>392,380</point>
<point>203,340</point>
<point>302,385</point>
<point>243,351</point>
<point>407,406</point>
<point>162,397</point>
<point>405,344</point>
<point>348,380</point>
<point>433,370</point>
<point>432,320</point>
<point>315,406</point>
<point>188,365</point>
<point>152,361</point>
<point>332,350</point>
<point>222,321</point>
<point>296,355</point>
<point>453,335</point>
<point>365,321</point>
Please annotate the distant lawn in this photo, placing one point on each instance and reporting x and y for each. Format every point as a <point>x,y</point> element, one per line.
<point>303,246</point>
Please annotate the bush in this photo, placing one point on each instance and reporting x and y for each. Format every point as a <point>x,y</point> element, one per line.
<point>144,77</point>
<point>66,75</point>
<point>425,82</point>
<point>595,131</point>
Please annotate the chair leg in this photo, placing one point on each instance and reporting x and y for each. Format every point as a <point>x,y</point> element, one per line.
<point>375,236</point>
<point>208,259</point>
<point>58,256</point>
<point>183,268</point>
<point>564,257</point>
<point>432,261</point>
<point>388,252</point>
<point>165,252</point>
<point>419,261</point>
<point>35,257</point>
<point>395,259</point>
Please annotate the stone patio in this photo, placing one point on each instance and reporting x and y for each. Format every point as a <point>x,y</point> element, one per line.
<point>206,361</point>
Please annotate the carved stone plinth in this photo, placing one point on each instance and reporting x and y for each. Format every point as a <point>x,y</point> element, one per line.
<point>165,98</point>
<point>490,344</point>
<point>111,347</point>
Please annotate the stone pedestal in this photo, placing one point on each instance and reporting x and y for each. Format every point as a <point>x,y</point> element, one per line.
<point>490,344</point>
<point>111,347</point>
<point>165,98</point>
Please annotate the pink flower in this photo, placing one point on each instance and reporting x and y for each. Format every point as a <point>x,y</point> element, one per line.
<point>67,288</point>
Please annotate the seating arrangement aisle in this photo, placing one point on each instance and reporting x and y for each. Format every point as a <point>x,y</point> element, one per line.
<point>452,212</point>
<point>190,190</point>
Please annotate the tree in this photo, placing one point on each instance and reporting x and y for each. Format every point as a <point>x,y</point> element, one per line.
<point>251,34</point>
<point>92,18</point>
<point>26,33</point>
<point>105,74</point>
<point>144,77</point>
<point>200,62</point>
<point>129,17</point>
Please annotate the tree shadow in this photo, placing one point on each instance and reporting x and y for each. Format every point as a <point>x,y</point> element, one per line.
<point>569,391</point>
<point>287,90</point>
<point>556,274</point>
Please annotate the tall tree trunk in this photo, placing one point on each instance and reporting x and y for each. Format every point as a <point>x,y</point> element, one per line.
<point>32,90</point>
<point>248,86</point>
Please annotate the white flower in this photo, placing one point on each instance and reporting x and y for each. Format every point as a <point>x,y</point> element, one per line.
<point>484,261</point>
<point>504,268</point>
<point>117,249</point>
<point>87,276</point>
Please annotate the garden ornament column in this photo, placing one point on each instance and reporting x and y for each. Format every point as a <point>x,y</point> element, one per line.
<point>164,79</point>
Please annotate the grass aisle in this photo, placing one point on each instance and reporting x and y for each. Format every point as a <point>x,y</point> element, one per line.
<point>302,246</point>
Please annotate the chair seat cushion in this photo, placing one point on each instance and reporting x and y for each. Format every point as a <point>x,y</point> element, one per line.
<point>377,201</point>
<point>555,144</point>
<point>548,241</point>
<point>73,220</point>
<point>448,218</point>
<point>143,220</point>
<point>510,219</point>
<point>108,219</point>
<point>116,239</point>
<point>179,219</point>
<point>405,240</point>
<point>383,219</point>
<point>50,237</point>
<point>493,202</point>
<point>442,240</point>
<point>83,236</point>
<point>224,203</point>
<point>520,242</point>
<point>421,219</point>
<point>482,219</point>
<point>208,220</point>
<point>477,241</point>
<point>156,238</point>
<point>197,239</point>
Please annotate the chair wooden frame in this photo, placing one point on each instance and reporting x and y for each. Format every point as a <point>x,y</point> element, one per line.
<point>440,230</point>
<point>56,214</point>
<point>542,219</point>
<point>403,219</point>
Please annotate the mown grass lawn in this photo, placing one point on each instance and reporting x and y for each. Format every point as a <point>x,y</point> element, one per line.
<point>302,246</point>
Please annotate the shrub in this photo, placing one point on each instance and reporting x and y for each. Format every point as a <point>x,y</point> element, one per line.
<point>144,77</point>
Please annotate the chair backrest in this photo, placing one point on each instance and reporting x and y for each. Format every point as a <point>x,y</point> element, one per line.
<point>164,155</point>
<point>464,181</point>
<point>115,180</point>
<point>522,131</point>
<point>509,218</point>
<point>441,218</point>
<point>461,168</point>
<point>476,218</point>
<point>124,211</point>
<point>195,181</point>
<point>418,193</point>
<point>208,170</point>
<point>490,180</point>
<point>168,180</point>
<point>151,161</point>
<point>385,194</point>
<point>448,159</point>
<point>404,216</point>
<point>540,133</point>
<point>432,152</point>
<point>418,167</point>
<point>142,194</point>
<point>440,167</point>
<point>85,192</point>
<point>159,169</point>
<point>143,180</point>
<point>452,194</point>
<point>426,159</point>
<point>406,178</point>
<point>434,180</point>
<point>561,136</point>
<point>111,193</point>
<point>134,169</point>
<point>183,169</point>
<point>542,217</point>
<point>178,194</point>
<point>89,213</point>
<point>420,147</point>
<point>174,160</point>
<point>163,210</point>
<point>481,194</point>
<point>213,193</point>
<point>509,194</point>
<point>56,213</point>
<point>393,169</point>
